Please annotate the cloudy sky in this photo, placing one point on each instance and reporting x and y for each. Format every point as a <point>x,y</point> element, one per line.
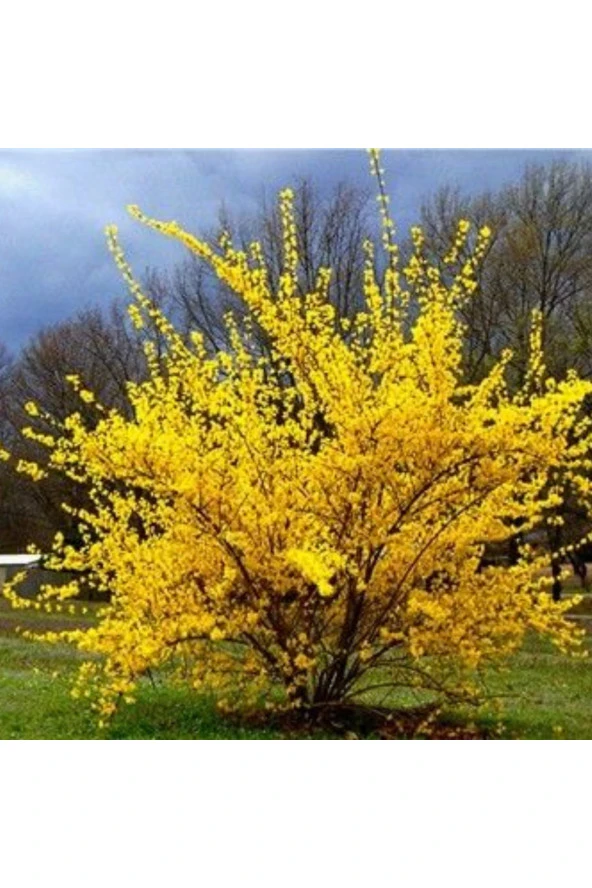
<point>54,206</point>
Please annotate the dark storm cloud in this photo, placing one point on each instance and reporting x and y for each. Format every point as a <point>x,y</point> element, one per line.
<point>53,209</point>
<point>54,206</point>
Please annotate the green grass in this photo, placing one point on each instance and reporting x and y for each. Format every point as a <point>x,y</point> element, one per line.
<point>545,696</point>
<point>35,702</point>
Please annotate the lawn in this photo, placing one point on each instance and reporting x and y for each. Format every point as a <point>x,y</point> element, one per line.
<point>35,702</point>
<point>545,696</point>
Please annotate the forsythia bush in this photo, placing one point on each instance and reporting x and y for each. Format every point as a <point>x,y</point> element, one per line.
<point>312,514</point>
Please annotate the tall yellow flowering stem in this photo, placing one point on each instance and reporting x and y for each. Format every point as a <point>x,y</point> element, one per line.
<point>310,523</point>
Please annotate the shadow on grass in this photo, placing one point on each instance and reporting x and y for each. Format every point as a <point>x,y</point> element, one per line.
<point>175,713</point>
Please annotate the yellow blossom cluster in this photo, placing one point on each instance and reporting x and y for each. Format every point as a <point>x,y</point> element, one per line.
<point>306,517</point>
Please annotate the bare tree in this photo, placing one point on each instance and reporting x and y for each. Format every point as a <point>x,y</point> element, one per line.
<point>9,517</point>
<point>330,232</point>
<point>540,258</point>
<point>102,350</point>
